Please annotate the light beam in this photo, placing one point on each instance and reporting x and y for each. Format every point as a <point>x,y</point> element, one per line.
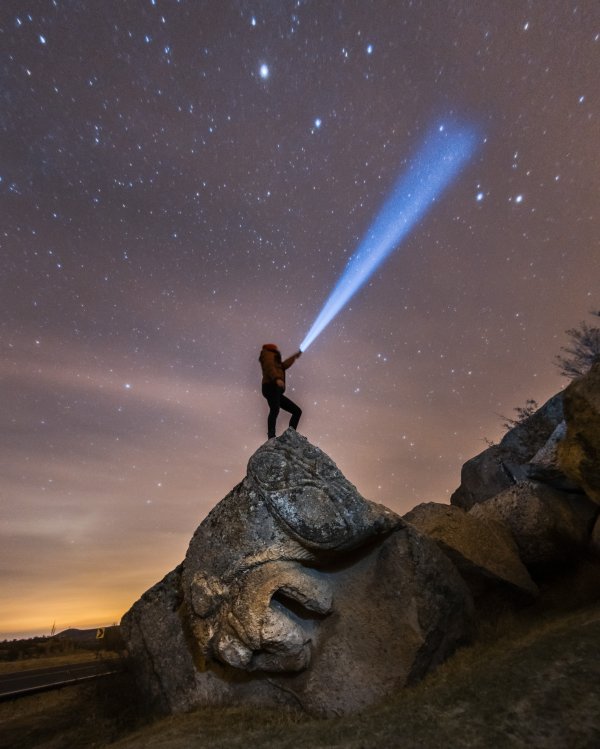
<point>443,154</point>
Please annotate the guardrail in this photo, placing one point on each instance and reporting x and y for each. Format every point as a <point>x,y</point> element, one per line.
<point>24,683</point>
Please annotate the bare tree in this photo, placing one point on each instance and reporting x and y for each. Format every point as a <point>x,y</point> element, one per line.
<point>582,352</point>
<point>523,413</point>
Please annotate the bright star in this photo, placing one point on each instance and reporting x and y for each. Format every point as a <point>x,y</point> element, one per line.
<point>369,49</point>
<point>479,197</point>
<point>264,71</point>
<point>318,122</point>
<point>519,199</point>
<point>42,39</point>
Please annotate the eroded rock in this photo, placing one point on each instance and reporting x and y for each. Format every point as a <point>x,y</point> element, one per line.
<point>296,590</point>
<point>550,527</point>
<point>579,452</point>
<point>483,550</point>
<point>506,464</point>
<point>595,540</point>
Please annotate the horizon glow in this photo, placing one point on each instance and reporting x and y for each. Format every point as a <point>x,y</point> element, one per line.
<point>444,152</point>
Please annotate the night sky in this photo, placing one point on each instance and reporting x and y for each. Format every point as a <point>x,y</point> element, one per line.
<point>181,182</point>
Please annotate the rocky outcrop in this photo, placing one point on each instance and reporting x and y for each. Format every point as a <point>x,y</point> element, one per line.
<point>539,482</point>
<point>483,551</point>
<point>296,590</point>
<point>579,451</point>
<point>545,465</point>
<point>550,527</point>
<point>505,464</point>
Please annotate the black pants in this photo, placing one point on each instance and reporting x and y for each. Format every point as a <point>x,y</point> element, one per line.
<point>276,399</point>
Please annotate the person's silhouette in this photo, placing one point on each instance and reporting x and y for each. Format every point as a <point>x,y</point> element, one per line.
<point>273,386</point>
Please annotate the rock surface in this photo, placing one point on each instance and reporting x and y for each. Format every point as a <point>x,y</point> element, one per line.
<point>483,551</point>
<point>545,464</point>
<point>506,464</point>
<point>595,540</point>
<point>579,452</point>
<point>296,590</point>
<point>550,527</point>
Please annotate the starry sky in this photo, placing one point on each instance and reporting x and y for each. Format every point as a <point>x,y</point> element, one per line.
<point>183,181</point>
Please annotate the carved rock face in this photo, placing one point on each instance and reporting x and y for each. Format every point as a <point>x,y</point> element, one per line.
<point>296,590</point>
<point>249,559</point>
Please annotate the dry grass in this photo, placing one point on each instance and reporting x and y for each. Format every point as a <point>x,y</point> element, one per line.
<point>85,716</point>
<point>538,687</point>
<point>531,680</point>
<point>64,659</point>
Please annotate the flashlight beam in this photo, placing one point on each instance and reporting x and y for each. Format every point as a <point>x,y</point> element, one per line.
<point>442,156</point>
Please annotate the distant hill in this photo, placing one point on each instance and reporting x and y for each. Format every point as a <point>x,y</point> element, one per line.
<point>85,635</point>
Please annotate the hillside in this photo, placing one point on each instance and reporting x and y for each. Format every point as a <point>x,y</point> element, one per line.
<point>536,685</point>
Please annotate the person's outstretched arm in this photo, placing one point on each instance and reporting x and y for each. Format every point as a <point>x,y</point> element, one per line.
<point>288,362</point>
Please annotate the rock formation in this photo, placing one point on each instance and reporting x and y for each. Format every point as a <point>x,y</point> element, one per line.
<point>484,551</point>
<point>549,527</point>
<point>296,590</point>
<point>542,482</point>
<point>579,452</point>
<point>505,464</point>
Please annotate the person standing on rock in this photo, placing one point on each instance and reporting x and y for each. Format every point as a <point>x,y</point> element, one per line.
<point>273,386</point>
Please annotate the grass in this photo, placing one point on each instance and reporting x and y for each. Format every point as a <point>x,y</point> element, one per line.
<point>531,679</point>
<point>538,687</point>
<point>63,659</point>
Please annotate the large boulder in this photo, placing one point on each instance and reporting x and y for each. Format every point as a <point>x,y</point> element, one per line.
<point>506,464</point>
<point>296,590</point>
<point>483,551</point>
<point>550,527</point>
<point>579,452</point>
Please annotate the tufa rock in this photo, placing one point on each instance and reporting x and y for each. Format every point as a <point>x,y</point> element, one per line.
<point>595,541</point>
<point>483,551</point>
<point>545,466</point>
<point>505,464</point>
<point>295,590</point>
<point>579,452</point>
<point>550,527</point>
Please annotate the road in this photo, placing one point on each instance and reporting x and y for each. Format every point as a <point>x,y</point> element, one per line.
<point>39,679</point>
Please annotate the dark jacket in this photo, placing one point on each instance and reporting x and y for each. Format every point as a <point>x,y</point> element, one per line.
<point>272,366</point>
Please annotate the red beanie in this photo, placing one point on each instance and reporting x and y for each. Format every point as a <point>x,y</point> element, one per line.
<point>270,346</point>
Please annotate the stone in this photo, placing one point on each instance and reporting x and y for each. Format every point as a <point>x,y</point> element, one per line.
<point>550,527</point>
<point>579,452</point>
<point>545,466</point>
<point>503,465</point>
<point>295,590</point>
<point>483,551</point>
<point>595,540</point>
